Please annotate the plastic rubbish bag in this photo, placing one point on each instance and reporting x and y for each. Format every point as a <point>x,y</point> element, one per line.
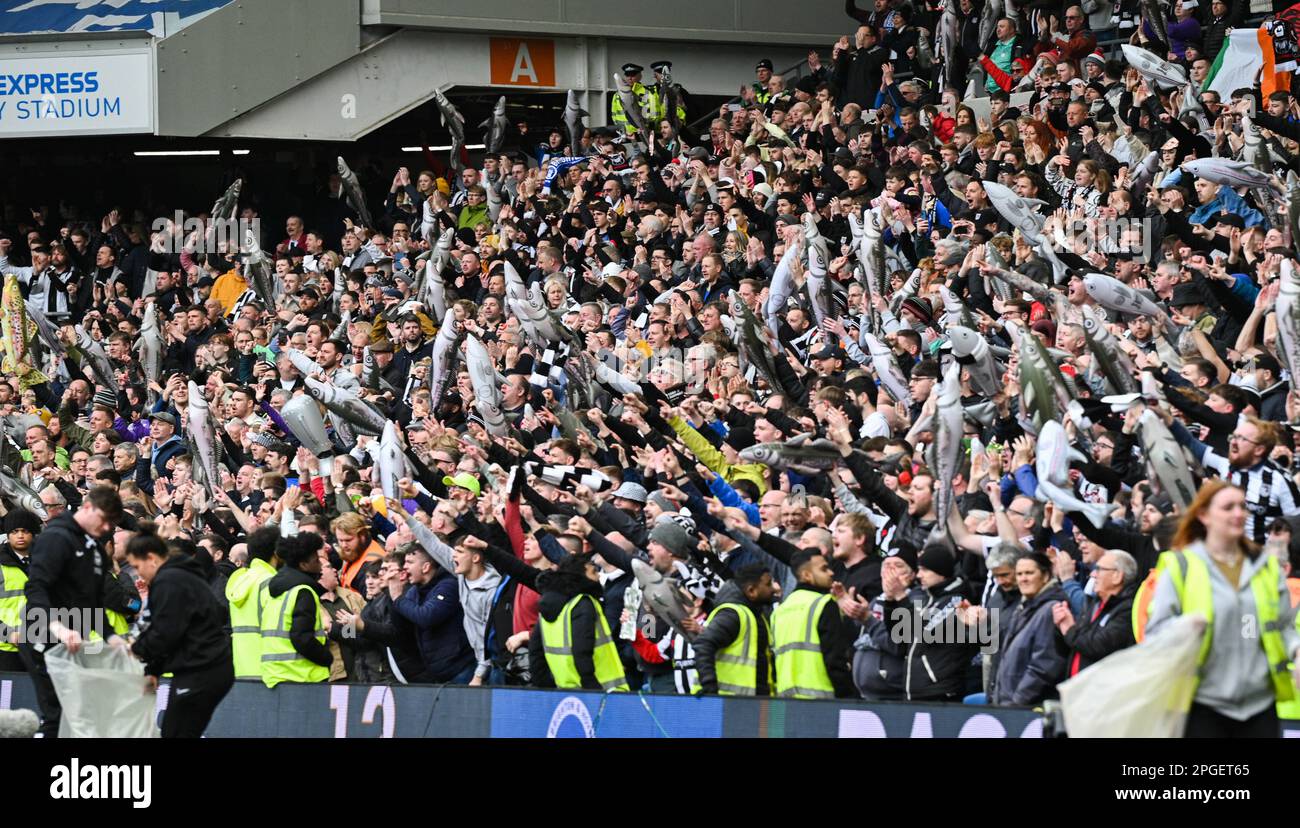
<point>1141,691</point>
<point>101,691</point>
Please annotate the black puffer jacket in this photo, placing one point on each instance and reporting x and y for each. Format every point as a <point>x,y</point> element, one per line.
<point>557,589</point>
<point>936,669</point>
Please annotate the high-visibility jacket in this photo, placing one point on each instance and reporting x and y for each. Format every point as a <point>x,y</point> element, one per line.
<point>117,622</point>
<point>1142,602</point>
<point>797,646</point>
<point>1291,709</point>
<point>244,592</point>
<point>280,661</point>
<point>557,645</point>
<point>657,105</point>
<point>1191,578</point>
<point>12,603</point>
<point>737,663</point>
<point>619,118</point>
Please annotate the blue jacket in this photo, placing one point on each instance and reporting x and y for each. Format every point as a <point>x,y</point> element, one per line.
<point>1228,200</point>
<point>173,446</point>
<point>723,491</point>
<point>434,610</point>
<point>1033,655</point>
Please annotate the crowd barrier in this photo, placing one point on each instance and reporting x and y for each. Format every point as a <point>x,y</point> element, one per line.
<point>428,711</point>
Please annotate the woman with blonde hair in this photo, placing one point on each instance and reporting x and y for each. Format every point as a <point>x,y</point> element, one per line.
<point>1086,191</point>
<point>1216,572</point>
<point>733,253</point>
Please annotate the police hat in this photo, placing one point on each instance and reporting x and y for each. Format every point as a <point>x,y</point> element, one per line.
<point>765,63</point>
<point>632,69</point>
<point>660,65</point>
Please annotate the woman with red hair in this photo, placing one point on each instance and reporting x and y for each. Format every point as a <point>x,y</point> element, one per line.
<point>1216,572</point>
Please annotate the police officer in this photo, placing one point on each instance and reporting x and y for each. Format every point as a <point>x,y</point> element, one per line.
<point>810,639</point>
<point>620,119</point>
<point>734,652</point>
<point>658,98</point>
<point>763,74</point>
<point>22,527</point>
<point>293,626</point>
<point>185,635</point>
<point>69,587</point>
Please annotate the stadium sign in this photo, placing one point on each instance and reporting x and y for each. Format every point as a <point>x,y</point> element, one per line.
<point>91,94</point>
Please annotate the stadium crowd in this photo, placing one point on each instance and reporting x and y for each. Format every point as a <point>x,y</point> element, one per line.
<point>878,354</point>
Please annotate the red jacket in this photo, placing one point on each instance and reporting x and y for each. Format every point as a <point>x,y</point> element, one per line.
<point>943,125</point>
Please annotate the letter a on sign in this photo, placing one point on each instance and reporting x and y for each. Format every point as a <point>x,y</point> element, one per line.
<point>520,62</point>
<point>523,65</point>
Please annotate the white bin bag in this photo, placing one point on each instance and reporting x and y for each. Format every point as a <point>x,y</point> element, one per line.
<point>1141,691</point>
<point>102,693</point>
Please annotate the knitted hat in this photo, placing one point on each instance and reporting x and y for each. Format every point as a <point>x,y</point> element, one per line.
<point>22,519</point>
<point>740,438</point>
<point>906,553</point>
<point>921,307</point>
<point>936,558</point>
<point>105,398</point>
<point>672,537</point>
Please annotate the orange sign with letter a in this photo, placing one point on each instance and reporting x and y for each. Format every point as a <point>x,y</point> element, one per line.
<point>522,62</point>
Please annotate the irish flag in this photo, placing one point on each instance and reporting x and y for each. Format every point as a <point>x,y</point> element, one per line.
<point>1245,60</point>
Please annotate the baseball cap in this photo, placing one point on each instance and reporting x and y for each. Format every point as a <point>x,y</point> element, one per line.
<point>463,480</point>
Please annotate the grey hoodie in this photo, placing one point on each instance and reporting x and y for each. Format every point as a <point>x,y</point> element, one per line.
<point>475,596</point>
<point>1235,677</point>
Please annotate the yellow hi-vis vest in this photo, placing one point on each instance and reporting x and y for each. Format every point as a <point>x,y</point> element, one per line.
<point>12,603</point>
<point>280,661</point>
<point>1191,578</point>
<point>619,118</point>
<point>244,592</point>
<point>557,644</point>
<point>796,644</point>
<point>737,663</point>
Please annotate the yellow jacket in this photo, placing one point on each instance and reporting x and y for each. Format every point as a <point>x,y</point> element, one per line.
<point>227,290</point>
<point>715,460</point>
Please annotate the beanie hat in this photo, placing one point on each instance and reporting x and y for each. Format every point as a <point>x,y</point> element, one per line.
<point>921,307</point>
<point>936,558</point>
<point>740,438</point>
<point>672,537</point>
<point>22,519</point>
<point>105,398</point>
<point>906,553</point>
